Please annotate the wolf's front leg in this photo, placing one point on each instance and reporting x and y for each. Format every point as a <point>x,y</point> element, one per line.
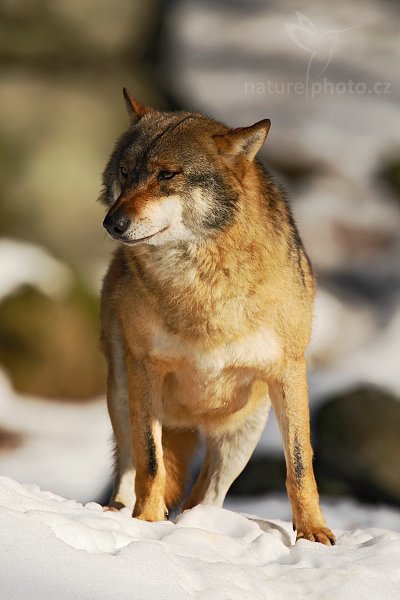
<point>118,408</point>
<point>290,400</point>
<point>145,404</point>
<point>227,453</point>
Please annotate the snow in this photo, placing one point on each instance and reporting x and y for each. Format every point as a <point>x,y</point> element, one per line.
<point>65,446</point>
<point>364,367</point>
<point>56,548</point>
<point>342,513</point>
<point>24,263</point>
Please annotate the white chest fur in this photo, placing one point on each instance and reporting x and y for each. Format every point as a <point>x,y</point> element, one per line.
<point>255,350</point>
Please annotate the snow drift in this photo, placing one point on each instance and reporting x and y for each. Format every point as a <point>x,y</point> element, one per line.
<point>59,549</point>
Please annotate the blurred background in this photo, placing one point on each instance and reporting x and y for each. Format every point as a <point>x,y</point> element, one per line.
<point>326,76</point>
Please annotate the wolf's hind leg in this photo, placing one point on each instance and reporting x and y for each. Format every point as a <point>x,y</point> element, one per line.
<point>179,446</point>
<point>118,407</point>
<point>227,453</point>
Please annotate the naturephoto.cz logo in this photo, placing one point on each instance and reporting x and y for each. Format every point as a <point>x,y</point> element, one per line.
<point>319,45</point>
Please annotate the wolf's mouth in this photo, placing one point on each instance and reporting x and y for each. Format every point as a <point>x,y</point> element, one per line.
<point>130,242</point>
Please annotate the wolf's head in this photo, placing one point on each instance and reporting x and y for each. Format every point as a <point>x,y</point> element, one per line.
<point>175,176</point>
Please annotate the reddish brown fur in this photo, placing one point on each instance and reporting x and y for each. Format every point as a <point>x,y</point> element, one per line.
<point>178,449</point>
<point>208,322</point>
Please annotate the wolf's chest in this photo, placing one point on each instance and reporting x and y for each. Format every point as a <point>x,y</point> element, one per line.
<point>255,350</point>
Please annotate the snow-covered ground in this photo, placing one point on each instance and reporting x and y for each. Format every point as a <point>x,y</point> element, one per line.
<point>59,549</point>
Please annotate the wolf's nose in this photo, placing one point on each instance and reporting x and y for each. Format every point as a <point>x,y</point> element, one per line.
<point>116,224</point>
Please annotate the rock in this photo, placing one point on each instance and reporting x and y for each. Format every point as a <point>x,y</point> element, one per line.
<point>9,440</point>
<point>262,474</point>
<point>50,347</point>
<point>357,443</point>
<point>389,174</point>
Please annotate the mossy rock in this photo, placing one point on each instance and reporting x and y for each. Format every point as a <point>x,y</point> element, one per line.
<point>49,347</point>
<point>389,174</point>
<point>74,33</point>
<point>358,444</point>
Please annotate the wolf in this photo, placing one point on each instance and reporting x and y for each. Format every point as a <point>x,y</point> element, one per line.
<point>206,313</point>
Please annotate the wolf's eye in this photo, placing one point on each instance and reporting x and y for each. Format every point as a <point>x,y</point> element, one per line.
<point>165,174</point>
<point>123,171</point>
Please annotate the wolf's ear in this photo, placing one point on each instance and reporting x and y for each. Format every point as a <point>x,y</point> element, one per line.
<point>243,141</point>
<point>135,109</point>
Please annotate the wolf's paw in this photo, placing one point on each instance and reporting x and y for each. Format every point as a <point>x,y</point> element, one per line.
<point>149,513</point>
<point>113,507</point>
<point>323,535</point>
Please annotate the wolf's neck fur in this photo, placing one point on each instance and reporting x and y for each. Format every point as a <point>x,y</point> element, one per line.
<point>223,273</point>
